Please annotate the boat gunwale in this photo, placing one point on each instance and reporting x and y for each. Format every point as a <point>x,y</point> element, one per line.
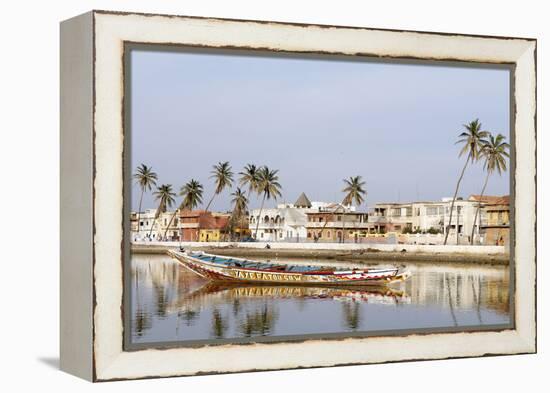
<point>394,271</point>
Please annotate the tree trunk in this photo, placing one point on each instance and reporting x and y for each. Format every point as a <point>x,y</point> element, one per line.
<point>344,225</point>
<point>139,210</point>
<point>259,218</point>
<point>170,222</point>
<point>477,209</point>
<point>454,199</point>
<point>457,224</point>
<point>211,199</point>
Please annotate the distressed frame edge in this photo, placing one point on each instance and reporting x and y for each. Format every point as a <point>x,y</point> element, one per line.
<point>527,339</point>
<point>76,196</point>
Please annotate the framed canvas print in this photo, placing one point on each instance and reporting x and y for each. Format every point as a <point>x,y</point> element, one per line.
<point>247,195</point>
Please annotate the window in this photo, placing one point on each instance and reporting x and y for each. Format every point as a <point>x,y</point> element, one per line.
<point>320,219</point>
<point>309,234</point>
<point>262,235</point>
<point>329,234</point>
<point>141,223</point>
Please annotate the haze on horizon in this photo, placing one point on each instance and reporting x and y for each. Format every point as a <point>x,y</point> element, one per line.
<point>316,121</point>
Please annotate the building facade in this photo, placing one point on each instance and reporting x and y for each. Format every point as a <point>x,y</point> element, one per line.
<point>495,228</point>
<point>150,228</point>
<point>203,226</point>
<point>337,225</point>
<point>285,223</point>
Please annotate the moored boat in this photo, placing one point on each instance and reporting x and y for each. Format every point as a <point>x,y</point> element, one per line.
<point>231,269</point>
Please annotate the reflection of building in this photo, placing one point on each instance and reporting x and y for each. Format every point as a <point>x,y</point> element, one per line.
<point>495,228</point>
<point>286,222</point>
<point>204,226</point>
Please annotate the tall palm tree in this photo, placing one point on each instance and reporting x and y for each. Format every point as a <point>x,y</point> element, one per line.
<point>354,193</point>
<point>471,139</point>
<point>146,179</point>
<point>269,186</point>
<point>192,197</point>
<point>223,177</point>
<point>494,152</point>
<point>249,177</point>
<point>240,205</point>
<point>165,197</point>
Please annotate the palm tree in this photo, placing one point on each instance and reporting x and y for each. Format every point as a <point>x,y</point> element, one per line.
<point>249,176</point>
<point>165,196</point>
<point>494,151</point>
<point>146,179</point>
<point>354,193</point>
<point>268,185</point>
<point>240,205</point>
<point>472,140</point>
<point>192,197</point>
<point>224,178</point>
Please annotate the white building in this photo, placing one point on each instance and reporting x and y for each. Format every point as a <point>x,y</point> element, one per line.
<point>151,228</point>
<point>287,222</point>
<point>429,216</point>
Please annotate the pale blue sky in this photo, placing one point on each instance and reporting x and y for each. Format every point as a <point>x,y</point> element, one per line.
<point>317,121</point>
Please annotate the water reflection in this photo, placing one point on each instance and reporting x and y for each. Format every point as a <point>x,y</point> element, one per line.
<point>169,303</point>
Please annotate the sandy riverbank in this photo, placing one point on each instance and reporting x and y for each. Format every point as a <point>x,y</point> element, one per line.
<point>365,254</point>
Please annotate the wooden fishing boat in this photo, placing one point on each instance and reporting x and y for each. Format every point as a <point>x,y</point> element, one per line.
<point>230,269</point>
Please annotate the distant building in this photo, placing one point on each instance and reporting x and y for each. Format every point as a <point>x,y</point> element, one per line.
<point>417,216</point>
<point>154,229</point>
<point>287,222</point>
<point>495,227</point>
<point>203,226</point>
<point>431,217</point>
<point>331,224</point>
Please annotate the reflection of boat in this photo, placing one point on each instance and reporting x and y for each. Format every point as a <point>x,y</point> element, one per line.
<point>228,269</point>
<point>375,295</point>
<point>222,292</point>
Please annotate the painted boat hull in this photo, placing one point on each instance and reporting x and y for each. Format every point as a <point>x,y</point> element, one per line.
<point>223,273</point>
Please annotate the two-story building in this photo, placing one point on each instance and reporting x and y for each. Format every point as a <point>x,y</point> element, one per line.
<point>150,227</point>
<point>203,226</point>
<point>495,227</point>
<point>337,224</point>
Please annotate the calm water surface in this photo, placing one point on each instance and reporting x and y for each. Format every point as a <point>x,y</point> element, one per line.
<point>170,303</point>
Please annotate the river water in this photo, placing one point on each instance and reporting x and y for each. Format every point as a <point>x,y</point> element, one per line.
<point>171,304</point>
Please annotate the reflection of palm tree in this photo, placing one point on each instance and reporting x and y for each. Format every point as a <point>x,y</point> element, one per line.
<point>162,300</point>
<point>268,185</point>
<point>223,178</point>
<point>189,315</point>
<point>494,151</point>
<point>259,322</point>
<point>471,139</point>
<point>142,322</point>
<point>145,178</point>
<point>451,307</point>
<point>219,326</point>
<point>165,196</point>
<point>351,315</point>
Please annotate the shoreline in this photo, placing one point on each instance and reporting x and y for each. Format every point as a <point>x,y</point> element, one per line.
<point>366,254</point>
